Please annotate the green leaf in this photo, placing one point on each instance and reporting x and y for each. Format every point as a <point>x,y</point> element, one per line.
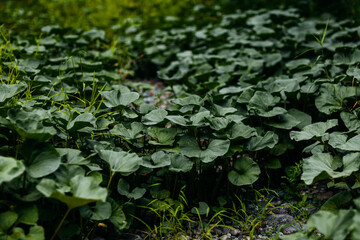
<point>269,140</point>
<point>10,169</point>
<point>203,209</point>
<point>351,121</point>
<point>245,172</point>
<point>154,117</point>
<point>190,100</point>
<point>40,159</point>
<point>320,166</point>
<point>305,119</point>
<point>7,219</point>
<point>353,144</point>
<point>118,218</point>
<point>180,163</point>
<point>335,203</point>
<point>34,233</point>
<point>333,97</point>
<point>332,225</point>
<point>284,121</point>
<point>28,214</point>
<point>9,91</point>
<point>347,59</point>
<point>124,189</point>
<point>121,162</point>
<point>82,121</point>
<point>102,211</point>
<point>291,65</point>
<point>80,191</point>
<point>313,130</point>
<point>163,136</point>
<point>179,120</point>
<point>158,160</point>
<point>119,98</point>
<point>239,131</point>
<point>72,156</point>
<point>29,124</point>
<point>190,148</point>
<point>133,132</point>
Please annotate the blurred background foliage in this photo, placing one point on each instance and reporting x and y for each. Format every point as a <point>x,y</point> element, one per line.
<point>24,16</point>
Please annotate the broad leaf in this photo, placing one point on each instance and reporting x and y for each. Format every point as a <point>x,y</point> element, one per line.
<point>9,91</point>
<point>245,172</point>
<point>190,148</point>
<point>313,130</point>
<point>29,124</point>
<point>180,163</point>
<point>121,162</point>
<point>154,117</point>
<point>40,159</point>
<point>163,136</point>
<point>82,121</point>
<point>269,140</point>
<point>119,98</point>
<point>320,166</point>
<point>158,160</point>
<point>10,169</point>
<point>80,191</point>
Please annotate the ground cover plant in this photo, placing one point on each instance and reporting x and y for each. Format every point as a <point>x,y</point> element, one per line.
<point>254,97</point>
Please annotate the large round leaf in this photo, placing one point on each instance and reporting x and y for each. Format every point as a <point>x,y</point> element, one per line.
<point>154,117</point>
<point>190,148</point>
<point>117,98</point>
<point>158,160</point>
<point>10,169</point>
<point>80,191</point>
<point>40,159</point>
<point>245,172</point>
<point>29,124</point>
<point>260,142</point>
<point>122,162</point>
<point>180,163</point>
<point>320,166</point>
<point>82,121</point>
<point>9,91</point>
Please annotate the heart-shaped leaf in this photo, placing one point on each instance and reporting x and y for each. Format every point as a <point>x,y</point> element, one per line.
<point>121,162</point>
<point>80,191</point>
<point>320,166</point>
<point>190,148</point>
<point>85,120</point>
<point>9,91</point>
<point>29,124</point>
<point>269,140</point>
<point>10,169</point>
<point>119,98</point>
<point>313,130</point>
<point>180,163</point>
<point>124,189</point>
<point>245,172</point>
<point>40,159</point>
<point>154,117</point>
<point>163,136</point>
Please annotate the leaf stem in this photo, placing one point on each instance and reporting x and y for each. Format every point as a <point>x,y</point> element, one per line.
<point>111,177</point>
<point>60,224</point>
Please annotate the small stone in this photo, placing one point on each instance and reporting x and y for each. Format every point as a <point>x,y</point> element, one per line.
<point>279,219</point>
<point>289,230</point>
<point>325,195</point>
<point>224,237</point>
<point>235,232</point>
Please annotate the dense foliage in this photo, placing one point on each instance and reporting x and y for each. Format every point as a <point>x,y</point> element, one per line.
<point>252,94</point>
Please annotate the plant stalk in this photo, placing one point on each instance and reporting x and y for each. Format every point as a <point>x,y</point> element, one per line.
<point>60,224</point>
